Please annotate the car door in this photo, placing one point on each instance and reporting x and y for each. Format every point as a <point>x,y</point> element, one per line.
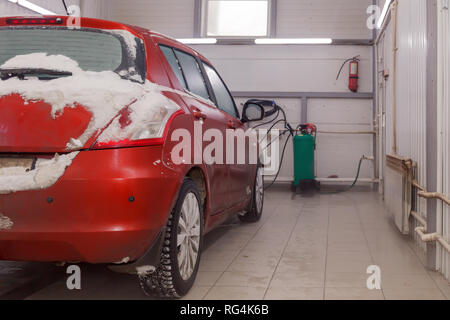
<point>206,117</point>
<point>241,172</point>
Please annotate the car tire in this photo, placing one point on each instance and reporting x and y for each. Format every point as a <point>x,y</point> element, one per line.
<point>182,247</point>
<point>257,204</point>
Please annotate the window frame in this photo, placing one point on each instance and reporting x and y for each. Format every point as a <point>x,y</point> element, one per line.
<point>236,115</point>
<point>271,21</point>
<point>178,63</point>
<point>204,74</point>
<point>209,90</point>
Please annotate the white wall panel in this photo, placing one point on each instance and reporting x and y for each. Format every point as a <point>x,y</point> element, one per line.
<point>386,60</point>
<point>10,9</point>
<point>411,104</point>
<point>411,86</point>
<point>288,68</point>
<point>411,93</point>
<point>443,258</point>
<point>306,69</point>
<point>280,68</point>
<point>339,154</point>
<point>172,17</point>
<point>338,19</point>
<point>95,9</point>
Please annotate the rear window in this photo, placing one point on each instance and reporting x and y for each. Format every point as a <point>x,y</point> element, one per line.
<point>94,50</point>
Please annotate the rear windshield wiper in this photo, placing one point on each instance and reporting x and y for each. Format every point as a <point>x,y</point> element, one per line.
<point>42,74</point>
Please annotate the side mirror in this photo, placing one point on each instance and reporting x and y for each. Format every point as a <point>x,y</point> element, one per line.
<point>252,112</point>
<point>257,110</point>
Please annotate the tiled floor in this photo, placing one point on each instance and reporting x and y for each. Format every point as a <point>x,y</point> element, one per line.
<point>305,247</point>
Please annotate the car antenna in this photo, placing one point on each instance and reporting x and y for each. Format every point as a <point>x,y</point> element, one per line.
<point>65,7</point>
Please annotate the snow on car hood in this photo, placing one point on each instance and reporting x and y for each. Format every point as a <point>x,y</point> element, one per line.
<point>104,94</point>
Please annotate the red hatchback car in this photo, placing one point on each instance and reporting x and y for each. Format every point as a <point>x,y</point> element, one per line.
<point>87,165</point>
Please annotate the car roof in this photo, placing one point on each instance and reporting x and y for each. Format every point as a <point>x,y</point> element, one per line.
<point>111,25</point>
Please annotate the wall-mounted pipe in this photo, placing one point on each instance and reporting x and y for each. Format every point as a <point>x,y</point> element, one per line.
<point>419,218</point>
<point>341,132</point>
<point>329,180</point>
<point>421,231</point>
<point>347,180</point>
<point>394,76</point>
<point>434,195</point>
<point>432,237</point>
<point>417,185</point>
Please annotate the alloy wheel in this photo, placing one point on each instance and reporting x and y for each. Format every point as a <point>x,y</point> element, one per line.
<point>188,236</point>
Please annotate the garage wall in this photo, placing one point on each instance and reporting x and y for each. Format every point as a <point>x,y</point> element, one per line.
<point>443,257</point>
<point>171,17</point>
<point>411,84</point>
<point>411,90</point>
<point>294,68</point>
<point>282,69</point>
<point>10,9</point>
<point>288,68</point>
<point>339,19</point>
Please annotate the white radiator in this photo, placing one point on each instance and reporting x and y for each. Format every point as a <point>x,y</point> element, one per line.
<point>398,191</point>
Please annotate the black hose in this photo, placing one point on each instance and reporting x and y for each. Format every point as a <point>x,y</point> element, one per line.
<point>288,128</point>
<point>350,187</point>
<point>281,164</point>
<point>268,131</point>
<point>263,124</point>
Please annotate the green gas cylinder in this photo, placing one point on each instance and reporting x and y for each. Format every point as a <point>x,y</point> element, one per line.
<point>304,164</point>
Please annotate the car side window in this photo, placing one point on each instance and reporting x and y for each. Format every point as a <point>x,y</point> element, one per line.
<point>225,101</point>
<point>194,78</point>
<point>174,64</point>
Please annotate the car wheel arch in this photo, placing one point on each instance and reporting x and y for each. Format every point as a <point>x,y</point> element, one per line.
<point>200,179</point>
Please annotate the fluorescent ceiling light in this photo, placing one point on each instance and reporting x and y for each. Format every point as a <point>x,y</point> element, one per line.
<point>33,7</point>
<point>198,41</point>
<point>383,13</point>
<point>294,41</point>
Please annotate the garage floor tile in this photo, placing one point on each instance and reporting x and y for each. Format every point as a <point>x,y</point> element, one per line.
<point>346,280</point>
<point>236,293</point>
<point>413,294</point>
<point>294,293</point>
<point>352,294</point>
<point>305,248</point>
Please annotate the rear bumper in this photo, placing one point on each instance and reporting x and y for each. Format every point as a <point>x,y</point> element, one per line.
<point>108,207</point>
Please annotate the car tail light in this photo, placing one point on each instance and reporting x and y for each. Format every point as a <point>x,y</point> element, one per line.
<point>34,21</point>
<point>153,133</point>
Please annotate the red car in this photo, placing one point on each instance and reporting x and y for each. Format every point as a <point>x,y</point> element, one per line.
<point>87,165</point>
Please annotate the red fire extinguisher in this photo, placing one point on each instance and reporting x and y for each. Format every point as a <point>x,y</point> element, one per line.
<point>353,73</point>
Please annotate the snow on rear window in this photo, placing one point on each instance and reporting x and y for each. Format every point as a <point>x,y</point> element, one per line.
<point>93,51</point>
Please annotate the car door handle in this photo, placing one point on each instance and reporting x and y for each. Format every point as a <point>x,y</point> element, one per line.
<point>200,115</point>
<point>231,124</point>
